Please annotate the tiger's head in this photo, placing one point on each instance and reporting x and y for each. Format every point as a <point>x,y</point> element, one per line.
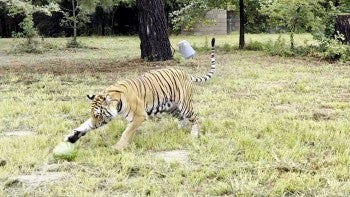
<point>103,108</point>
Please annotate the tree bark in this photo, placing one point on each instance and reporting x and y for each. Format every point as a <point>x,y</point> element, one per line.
<point>241,24</point>
<point>342,24</point>
<point>155,44</point>
<point>74,22</point>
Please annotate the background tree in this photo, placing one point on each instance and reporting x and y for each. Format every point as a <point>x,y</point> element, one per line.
<point>344,5</point>
<point>155,44</point>
<point>255,21</point>
<point>293,16</point>
<point>241,24</point>
<point>191,12</point>
<point>194,12</point>
<point>27,8</point>
<point>76,15</point>
<point>342,23</point>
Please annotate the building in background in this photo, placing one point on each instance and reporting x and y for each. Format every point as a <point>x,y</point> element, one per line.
<point>221,22</point>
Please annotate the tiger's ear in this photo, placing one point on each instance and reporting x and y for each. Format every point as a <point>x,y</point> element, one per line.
<point>91,97</point>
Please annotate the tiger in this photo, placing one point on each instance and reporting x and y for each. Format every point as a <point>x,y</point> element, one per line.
<point>166,90</point>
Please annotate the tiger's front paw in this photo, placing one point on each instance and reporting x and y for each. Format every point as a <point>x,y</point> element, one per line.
<point>74,136</point>
<point>120,146</point>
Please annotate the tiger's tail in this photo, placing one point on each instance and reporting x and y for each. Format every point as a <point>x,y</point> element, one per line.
<point>212,67</point>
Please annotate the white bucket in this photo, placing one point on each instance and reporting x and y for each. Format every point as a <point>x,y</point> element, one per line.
<point>186,50</point>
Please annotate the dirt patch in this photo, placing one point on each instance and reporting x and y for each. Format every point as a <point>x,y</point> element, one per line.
<point>286,108</point>
<point>65,166</point>
<point>179,156</point>
<point>62,67</point>
<point>35,180</point>
<point>17,133</point>
<point>33,183</point>
<point>323,114</point>
<point>38,181</point>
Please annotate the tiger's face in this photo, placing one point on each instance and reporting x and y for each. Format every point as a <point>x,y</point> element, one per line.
<point>102,109</point>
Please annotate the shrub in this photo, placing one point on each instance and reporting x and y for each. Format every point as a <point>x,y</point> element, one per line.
<point>255,46</point>
<point>227,48</point>
<point>72,43</point>
<point>279,47</point>
<point>34,46</point>
<point>333,49</point>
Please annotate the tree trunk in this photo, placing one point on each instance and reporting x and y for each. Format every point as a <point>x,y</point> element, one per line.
<point>74,41</point>
<point>342,24</point>
<point>241,24</point>
<point>155,44</point>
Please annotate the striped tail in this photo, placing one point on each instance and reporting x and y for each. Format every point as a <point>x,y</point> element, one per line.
<point>212,67</point>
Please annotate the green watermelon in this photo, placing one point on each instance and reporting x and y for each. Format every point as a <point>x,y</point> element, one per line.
<point>65,151</point>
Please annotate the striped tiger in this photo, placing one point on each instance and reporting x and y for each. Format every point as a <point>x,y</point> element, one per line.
<point>164,90</point>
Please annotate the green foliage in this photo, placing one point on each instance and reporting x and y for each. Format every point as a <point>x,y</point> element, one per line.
<point>327,49</point>
<point>345,6</point>
<point>29,31</point>
<point>226,48</point>
<point>27,8</point>
<point>79,20</point>
<point>315,16</point>
<point>189,15</point>
<point>323,25</point>
<point>254,46</point>
<point>73,43</point>
<point>294,16</point>
<point>192,12</point>
<point>255,21</point>
<point>333,49</point>
<point>31,45</point>
<point>204,47</point>
<point>278,47</point>
<point>34,46</point>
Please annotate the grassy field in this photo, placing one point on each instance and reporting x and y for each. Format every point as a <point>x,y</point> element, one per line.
<point>270,126</point>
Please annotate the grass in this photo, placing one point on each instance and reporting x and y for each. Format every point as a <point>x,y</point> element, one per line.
<point>270,126</point>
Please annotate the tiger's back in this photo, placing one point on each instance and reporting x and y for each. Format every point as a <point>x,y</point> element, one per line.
<point>157,91</point>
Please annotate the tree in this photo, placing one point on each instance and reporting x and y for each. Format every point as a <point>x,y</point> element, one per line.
<point>241,24</point>
<point>342,25</point>
<point>77,15</point>
<point>155,44</point>
<point>27,9</point>
<point>194,12</point>
<point>255,22</point>
<point>294,16</point>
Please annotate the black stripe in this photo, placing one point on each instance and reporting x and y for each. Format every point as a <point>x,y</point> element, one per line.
<point>153,91</point>
<point>142,82</point>
<point>160,87</point>
<point>172,91</point>
<point>119,106</point>
<point>175,84</point>
<point>165,80</point>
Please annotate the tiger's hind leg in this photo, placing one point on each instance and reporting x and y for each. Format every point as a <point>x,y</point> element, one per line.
<point>192,117</point>
<point>194,129</point>
<point>181,122</point>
